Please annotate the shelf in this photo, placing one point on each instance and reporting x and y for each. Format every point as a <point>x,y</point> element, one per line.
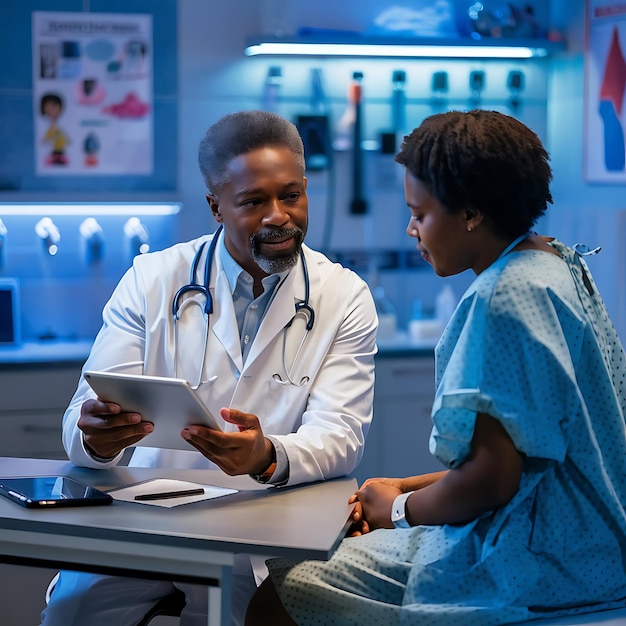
<point>352,45</point>
<point>89,208</point>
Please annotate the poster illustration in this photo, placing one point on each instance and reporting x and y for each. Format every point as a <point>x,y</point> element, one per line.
<point>605,85</point>
<point>92,89</point>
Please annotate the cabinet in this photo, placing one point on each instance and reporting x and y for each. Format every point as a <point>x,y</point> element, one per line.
<point>397,443</point>
<point>34,398</point>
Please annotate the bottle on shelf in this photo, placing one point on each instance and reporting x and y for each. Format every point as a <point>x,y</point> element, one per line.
<point>423,329</point>
<point>271,88</point>
<point>445,303</point>
<point>387,318</point>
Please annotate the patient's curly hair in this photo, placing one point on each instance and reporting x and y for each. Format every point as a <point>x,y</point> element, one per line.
<point>238,133</point>
<point>482,161</point>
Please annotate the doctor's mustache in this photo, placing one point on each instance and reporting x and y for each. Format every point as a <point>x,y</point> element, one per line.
<point>268,234</point>
<point>279,262</point>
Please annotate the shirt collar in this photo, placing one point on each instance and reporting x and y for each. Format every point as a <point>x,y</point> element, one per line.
<point>233,270</point>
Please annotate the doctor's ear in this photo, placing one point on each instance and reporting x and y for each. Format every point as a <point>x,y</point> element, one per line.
<point>214,203</point>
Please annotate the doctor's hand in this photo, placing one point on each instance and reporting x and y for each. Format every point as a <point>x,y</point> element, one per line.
<point>245,452</point>
<point>107,430</point>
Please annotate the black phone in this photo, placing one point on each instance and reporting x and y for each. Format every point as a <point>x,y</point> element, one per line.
<point>51,491</point>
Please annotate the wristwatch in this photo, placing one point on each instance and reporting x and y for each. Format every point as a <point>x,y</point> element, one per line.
<point>398,511</point>
<point>268,472</point>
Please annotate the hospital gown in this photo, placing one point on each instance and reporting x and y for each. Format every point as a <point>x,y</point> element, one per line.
<point>530,344</point>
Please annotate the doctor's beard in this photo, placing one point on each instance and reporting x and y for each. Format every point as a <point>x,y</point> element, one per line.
<point>281,262</point>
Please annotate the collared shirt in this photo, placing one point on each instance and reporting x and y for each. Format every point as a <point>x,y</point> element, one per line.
<point>249,313</point>
<point>249,310</point>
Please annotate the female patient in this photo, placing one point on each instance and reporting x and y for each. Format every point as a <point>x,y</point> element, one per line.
<point>529,519</point>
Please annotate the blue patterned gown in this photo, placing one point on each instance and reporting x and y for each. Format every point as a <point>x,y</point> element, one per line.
<point>530,344</point>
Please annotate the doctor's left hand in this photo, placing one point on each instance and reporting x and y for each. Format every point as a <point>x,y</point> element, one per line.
<point>245,452</point>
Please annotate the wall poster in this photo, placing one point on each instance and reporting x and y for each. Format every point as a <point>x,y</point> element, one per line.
<point>605,82</point>
<point>93,93</point>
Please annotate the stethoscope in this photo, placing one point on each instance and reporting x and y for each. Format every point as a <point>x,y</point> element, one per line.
<point>193,286</point>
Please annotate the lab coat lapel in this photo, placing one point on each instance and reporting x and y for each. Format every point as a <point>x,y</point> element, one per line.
<point>224,321</point>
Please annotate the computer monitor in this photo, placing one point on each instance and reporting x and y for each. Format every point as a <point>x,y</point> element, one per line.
<point>10,334</point>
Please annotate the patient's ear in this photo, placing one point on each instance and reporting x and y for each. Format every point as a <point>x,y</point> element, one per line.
<point>473,218</point>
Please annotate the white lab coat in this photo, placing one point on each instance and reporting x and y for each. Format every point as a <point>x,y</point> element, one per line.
<point>322,424</point>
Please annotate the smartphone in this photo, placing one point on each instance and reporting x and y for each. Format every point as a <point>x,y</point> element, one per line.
<point>51,491</point>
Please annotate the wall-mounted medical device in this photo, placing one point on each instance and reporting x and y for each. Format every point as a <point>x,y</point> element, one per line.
<point>137,236</point>
<point>92,238</point>
<point>47,230</point>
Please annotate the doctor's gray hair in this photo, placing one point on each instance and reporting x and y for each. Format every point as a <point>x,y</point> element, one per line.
<point>239,133</point>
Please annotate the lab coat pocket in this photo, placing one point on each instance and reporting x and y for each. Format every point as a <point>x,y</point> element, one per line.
<point>285,404</point>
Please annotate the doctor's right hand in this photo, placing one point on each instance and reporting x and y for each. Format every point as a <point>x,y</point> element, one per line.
<point>107,430</point>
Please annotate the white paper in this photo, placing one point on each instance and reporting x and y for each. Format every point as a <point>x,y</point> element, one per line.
<point>160,485</point>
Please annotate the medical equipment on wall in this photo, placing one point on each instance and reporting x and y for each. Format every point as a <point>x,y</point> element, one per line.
<point>477,80</point>
<point>47,230</point>
<point>358,204</point>
<point>515,85</point>
<point>193,286</point>
<point>92,238</point>
<point>137,236</point>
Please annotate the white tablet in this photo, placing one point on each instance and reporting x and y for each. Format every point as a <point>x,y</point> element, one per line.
<point>169,403</point>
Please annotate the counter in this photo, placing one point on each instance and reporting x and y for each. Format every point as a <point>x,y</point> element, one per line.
<point>77,351</point>
<point>403,346</point>
<point>53,351</point>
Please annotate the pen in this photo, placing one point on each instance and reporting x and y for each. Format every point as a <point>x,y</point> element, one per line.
<point>164,495</point>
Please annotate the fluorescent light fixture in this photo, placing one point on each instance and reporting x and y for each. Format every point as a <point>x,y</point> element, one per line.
<point>3,238</point>
<point>96,208</point>
<point>431,48</point>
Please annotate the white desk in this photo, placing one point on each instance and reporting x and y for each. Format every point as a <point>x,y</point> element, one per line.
<point>194,543</point>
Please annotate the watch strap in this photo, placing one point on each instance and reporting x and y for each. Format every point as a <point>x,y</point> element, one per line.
<point>398,511</point>
<point>268,472</point>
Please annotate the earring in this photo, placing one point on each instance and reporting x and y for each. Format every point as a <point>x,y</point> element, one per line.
<point>469,229</point>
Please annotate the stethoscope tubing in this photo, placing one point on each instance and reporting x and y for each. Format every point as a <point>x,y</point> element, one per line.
<point>303,307</point>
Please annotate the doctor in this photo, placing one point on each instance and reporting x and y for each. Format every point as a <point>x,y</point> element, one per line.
<point>279,341</point>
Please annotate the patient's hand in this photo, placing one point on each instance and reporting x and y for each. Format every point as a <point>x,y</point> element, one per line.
<point>359,525</point>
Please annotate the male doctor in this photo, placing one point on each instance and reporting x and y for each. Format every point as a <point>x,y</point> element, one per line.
<point>286,358</point>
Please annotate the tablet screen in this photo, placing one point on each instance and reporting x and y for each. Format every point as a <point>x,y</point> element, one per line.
<point>45,491</point>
